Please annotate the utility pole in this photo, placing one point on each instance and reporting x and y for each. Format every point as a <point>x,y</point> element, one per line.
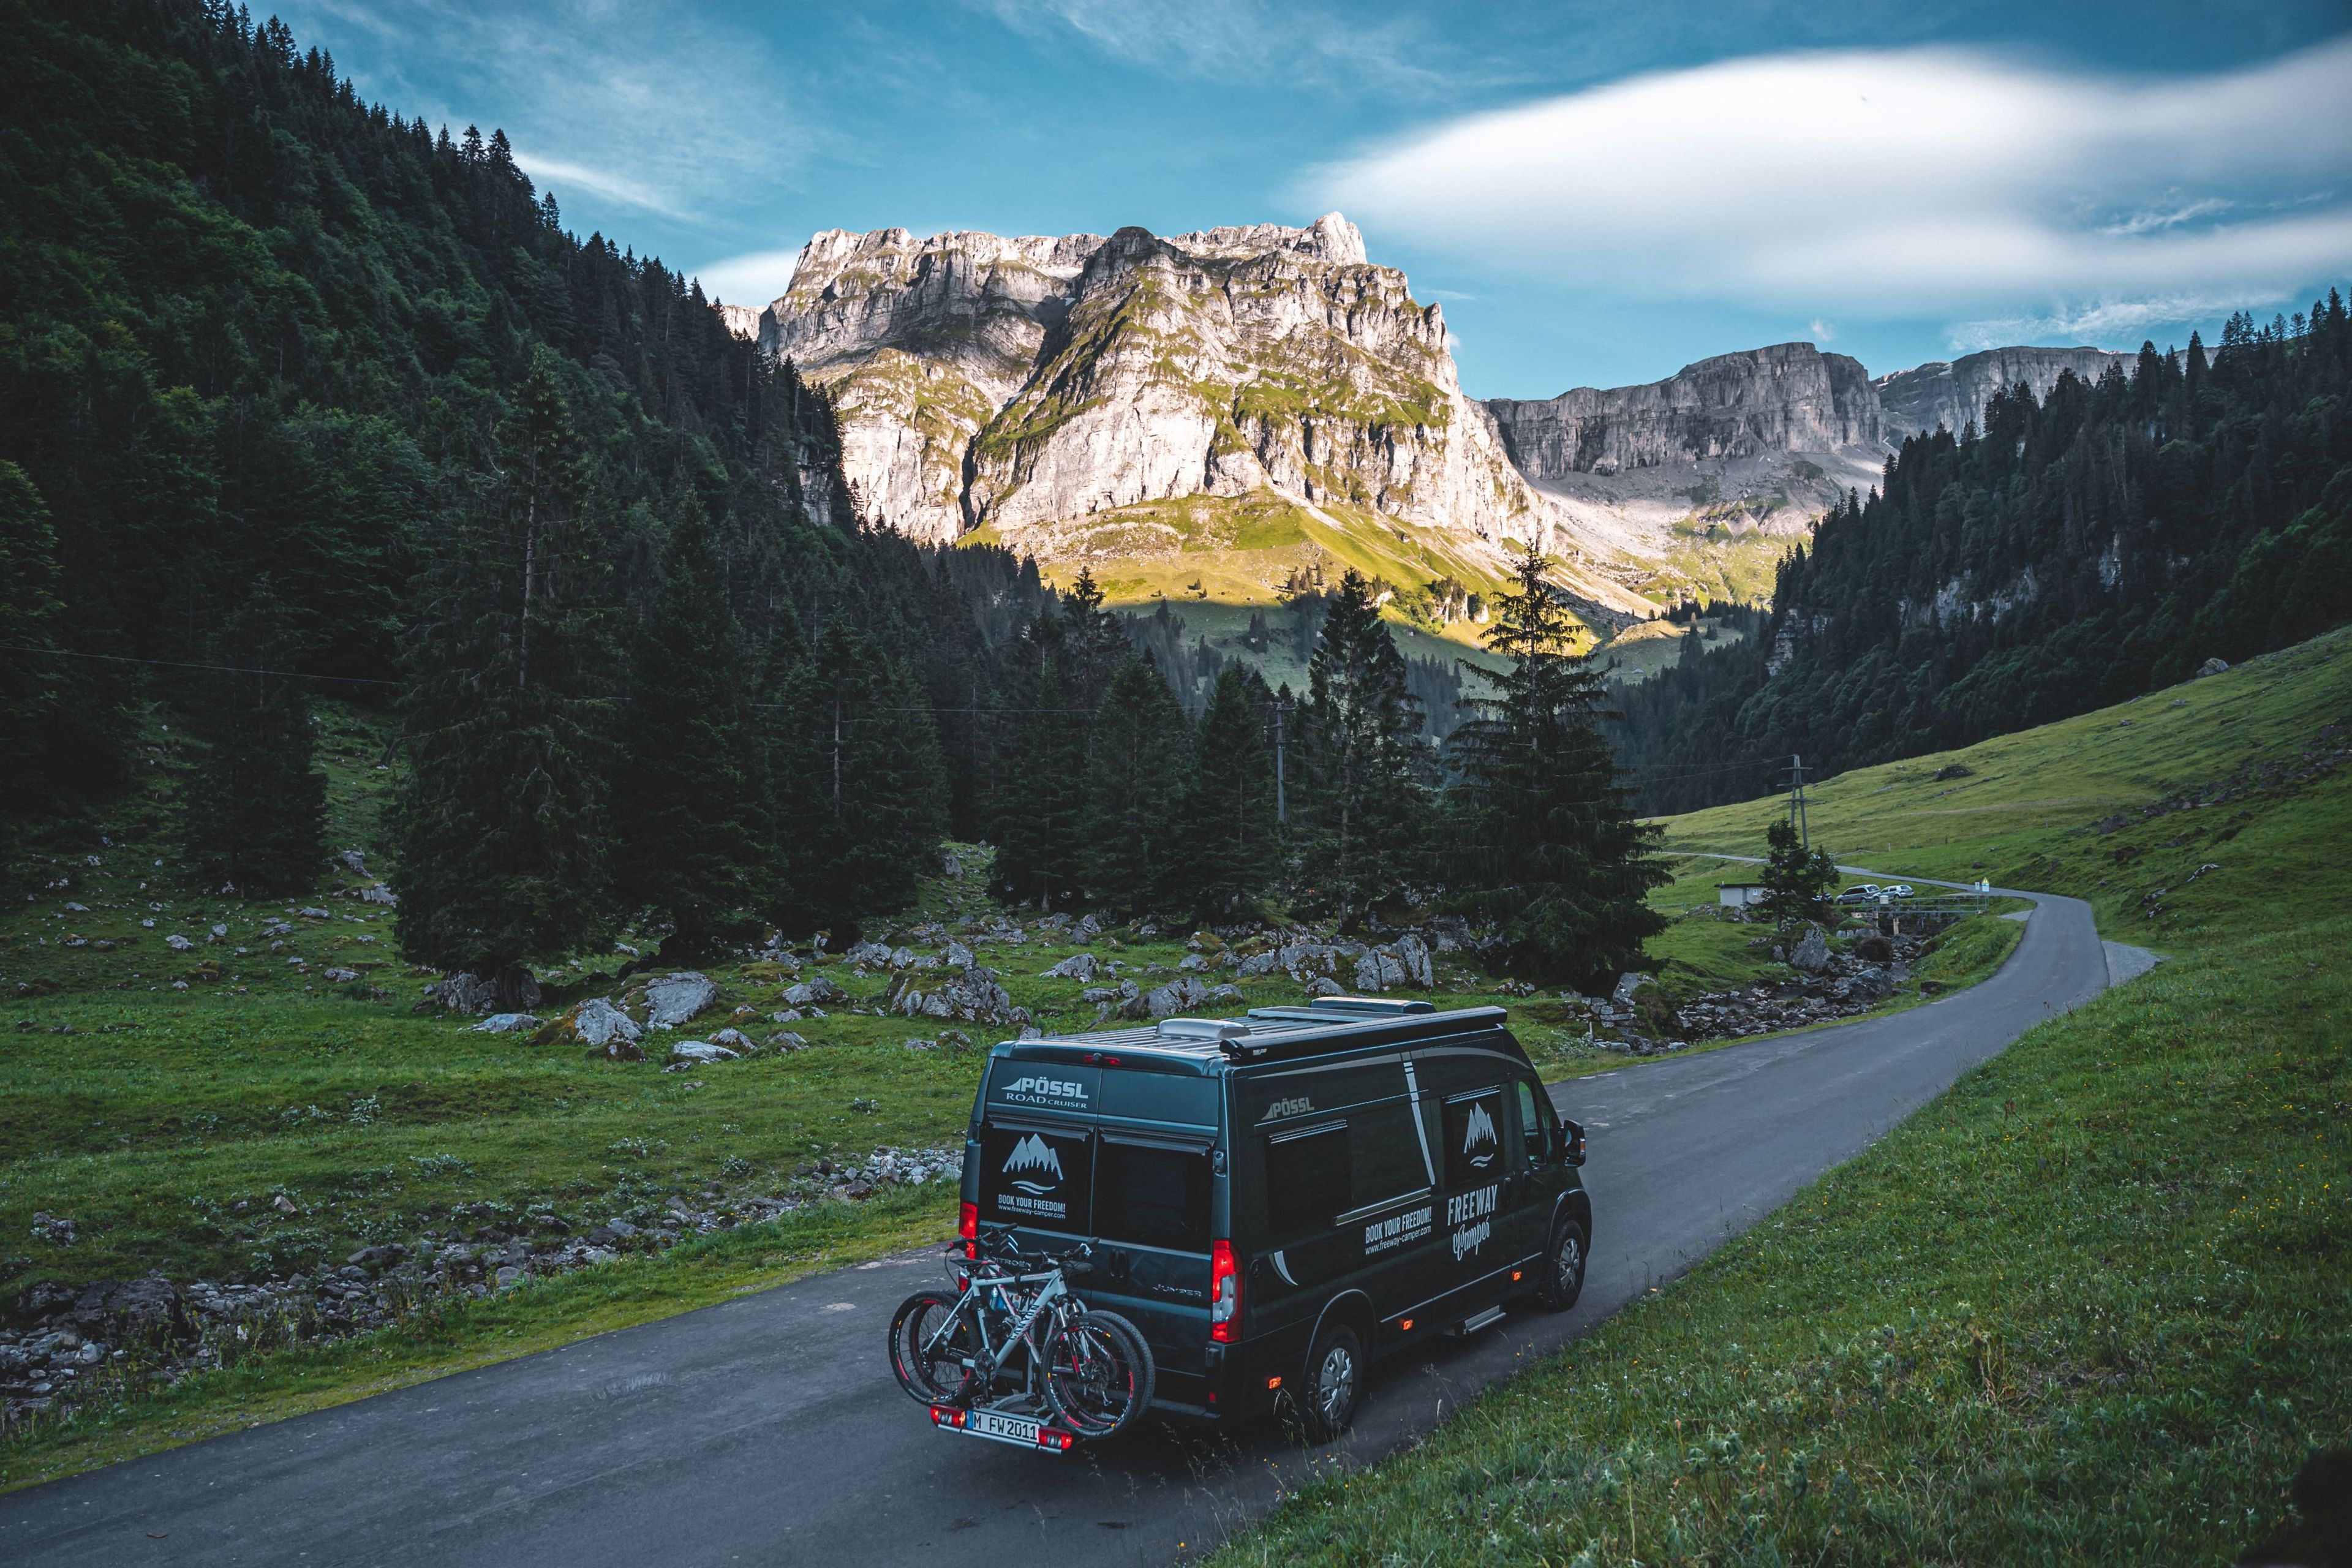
<point>1797,800</point>
<point>1281,796</point>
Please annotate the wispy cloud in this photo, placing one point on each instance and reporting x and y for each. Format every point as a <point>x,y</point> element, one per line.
<point>649,104</point>
<point>1890,183</point>
<point>759,278</point>
<point>1258,41</point>
<point>2111,320</point>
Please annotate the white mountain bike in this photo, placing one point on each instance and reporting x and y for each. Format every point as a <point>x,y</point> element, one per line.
<point>1011,1354</point>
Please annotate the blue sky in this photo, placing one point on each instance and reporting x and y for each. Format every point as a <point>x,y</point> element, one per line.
<point>1598,194</point>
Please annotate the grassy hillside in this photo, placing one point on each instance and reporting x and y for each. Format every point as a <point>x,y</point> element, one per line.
<point>2089,1306</point>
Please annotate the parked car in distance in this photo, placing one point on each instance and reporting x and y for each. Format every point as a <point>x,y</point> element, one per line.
<point>1898,891</point>
<point>1860,894</point>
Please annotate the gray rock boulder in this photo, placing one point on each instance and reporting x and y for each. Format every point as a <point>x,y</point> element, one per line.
<point>1413,953</point>
<point>675,998</point>
<point>1177,995</point>
<point>496,1023</point>
<point>1377,971</point>
<point>1622,996</point>
<point>1812,952</point>
<point>1078,966</point>
<point>700,1052</point>
<point>817,991</point>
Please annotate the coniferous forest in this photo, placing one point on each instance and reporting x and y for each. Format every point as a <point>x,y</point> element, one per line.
<point>2081,549</point>
<point>298,397</point>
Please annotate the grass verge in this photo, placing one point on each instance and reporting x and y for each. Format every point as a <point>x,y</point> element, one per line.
<point>2088,1306</point>
<point>467,1332</point>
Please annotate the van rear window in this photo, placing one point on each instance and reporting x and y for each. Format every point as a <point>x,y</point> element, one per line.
<point>1152,1197</point>
<point>1037,1177</point>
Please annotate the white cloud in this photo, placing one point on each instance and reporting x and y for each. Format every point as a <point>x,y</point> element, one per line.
<point>1274,41</point>
<point>1821,330</point>
<point>648,104</point>
<point>554,172</point>
<point>1897,183</point>
<point>758,278</point>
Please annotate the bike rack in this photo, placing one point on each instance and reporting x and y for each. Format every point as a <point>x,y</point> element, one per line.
<point>1029,1407</point>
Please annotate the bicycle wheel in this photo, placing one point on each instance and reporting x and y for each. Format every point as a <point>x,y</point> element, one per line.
<point>931,1340</point>
<point>1099,1374</point>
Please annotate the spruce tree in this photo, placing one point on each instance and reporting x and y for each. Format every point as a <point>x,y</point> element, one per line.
<point>1797,881</point>
<point>58,733</point>
<point>1228,849</point>
<point>1142,748</point>
<point>689,819</point>
<point>253,808</point>
<point>1040,808</point>
<point>1538,838</point>
<point>1366,766</point>
<point>501,825</point>
<point>870,795</point>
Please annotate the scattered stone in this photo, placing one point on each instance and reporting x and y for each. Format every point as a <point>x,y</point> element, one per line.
<point>496,1023</point>
<point>599,1026</point>
<point>341,975</point>
<point>2211,667</point>
<point>1414,955</point>
<point>675,998</point>
<point>177,942</point>
<point>1812,952</point>
<point>284,1205</point>
<point>1178,996</point>
<point>1327,988</point>
<point>817,991</point>
<point>1377,971</point>
<point>1953,771</point>
<point>702,1051</point>
<point>786,1041</point>
<point>53,1227</point>
<point>1079,966</point>
<point>1192,964</point>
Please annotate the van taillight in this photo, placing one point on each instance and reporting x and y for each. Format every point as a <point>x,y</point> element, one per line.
<point>968,1226</point>
<point>1224,1294</point>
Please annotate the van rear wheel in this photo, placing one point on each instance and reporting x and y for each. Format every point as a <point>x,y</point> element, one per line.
<point>1562,1279</point>
<point>1334,1386</point>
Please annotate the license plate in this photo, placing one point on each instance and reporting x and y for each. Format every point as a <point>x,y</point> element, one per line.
<point>1003,1428</point>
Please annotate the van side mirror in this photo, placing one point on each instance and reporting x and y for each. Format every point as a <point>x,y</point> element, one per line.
<point>1571,1134</point>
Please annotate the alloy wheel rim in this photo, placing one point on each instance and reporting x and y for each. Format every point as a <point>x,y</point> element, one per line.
<point>1571,1262</point>
<point>1336,1382</point>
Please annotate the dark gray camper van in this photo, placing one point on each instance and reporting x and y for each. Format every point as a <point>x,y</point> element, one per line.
<point>1277,1200</point>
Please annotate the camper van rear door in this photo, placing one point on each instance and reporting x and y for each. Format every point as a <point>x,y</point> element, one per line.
<point>1035,1175</point>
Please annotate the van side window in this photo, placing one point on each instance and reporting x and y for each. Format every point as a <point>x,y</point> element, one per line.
<point>1387,1149</point>
<point>1306,1178</point>
<point>1473,1138</point>
<point>1035,1177</point>
<point>1536,1130</point>
<point>1155,1196</point>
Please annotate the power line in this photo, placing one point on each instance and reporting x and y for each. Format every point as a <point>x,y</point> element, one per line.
<point>184,664</point>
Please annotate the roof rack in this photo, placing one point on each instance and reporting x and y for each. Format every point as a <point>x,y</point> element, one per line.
<point>1343,1030</point>
<point>1202,1028</point>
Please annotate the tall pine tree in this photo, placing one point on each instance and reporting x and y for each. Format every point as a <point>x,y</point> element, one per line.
<point>1227,836</point>
<point>1040,806</point>
<point>1538,839</point>
<point>687,807</point>
<point>1143,747</point>
<point>869,791</point>
<point>253,809</point>
<point>501,826</point>
<point>1366,767</point>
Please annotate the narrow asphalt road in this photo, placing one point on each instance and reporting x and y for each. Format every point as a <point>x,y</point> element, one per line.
<point>768,1430</point>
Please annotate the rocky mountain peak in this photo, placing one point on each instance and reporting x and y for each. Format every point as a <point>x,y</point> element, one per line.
<point>1953,393</point>
<point>1045,385</point>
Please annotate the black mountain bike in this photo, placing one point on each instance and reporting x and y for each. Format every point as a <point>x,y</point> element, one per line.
<point>1012,1354</point>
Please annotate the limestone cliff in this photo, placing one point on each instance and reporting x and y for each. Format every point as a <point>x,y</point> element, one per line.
<point>1954,394</point>
<point>1790,397</point>
<point>1021,383</point>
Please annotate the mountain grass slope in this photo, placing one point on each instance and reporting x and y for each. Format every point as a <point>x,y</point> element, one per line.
<point>2089,1306</point>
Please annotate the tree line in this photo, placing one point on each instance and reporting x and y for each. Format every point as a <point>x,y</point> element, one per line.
<point>2077,550</point>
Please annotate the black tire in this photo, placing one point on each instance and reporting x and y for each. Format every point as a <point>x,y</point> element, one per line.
<point>1332,1390</point>
<point>1562,1279</point>
<point>1099,1374</point>
<point>932,1372</point>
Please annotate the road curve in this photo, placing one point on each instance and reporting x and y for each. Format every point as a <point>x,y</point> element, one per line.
<point>768,1430</point>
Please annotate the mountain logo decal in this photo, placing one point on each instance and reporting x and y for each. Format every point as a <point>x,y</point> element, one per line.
<point>1480,1129</point>
<point>1031,1158</point>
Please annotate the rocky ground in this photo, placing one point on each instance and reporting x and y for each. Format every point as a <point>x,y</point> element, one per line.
<point>68,1346</point>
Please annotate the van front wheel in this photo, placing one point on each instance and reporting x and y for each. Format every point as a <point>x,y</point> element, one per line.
<point>1334,1384</point>
<point>1563,1281</point>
